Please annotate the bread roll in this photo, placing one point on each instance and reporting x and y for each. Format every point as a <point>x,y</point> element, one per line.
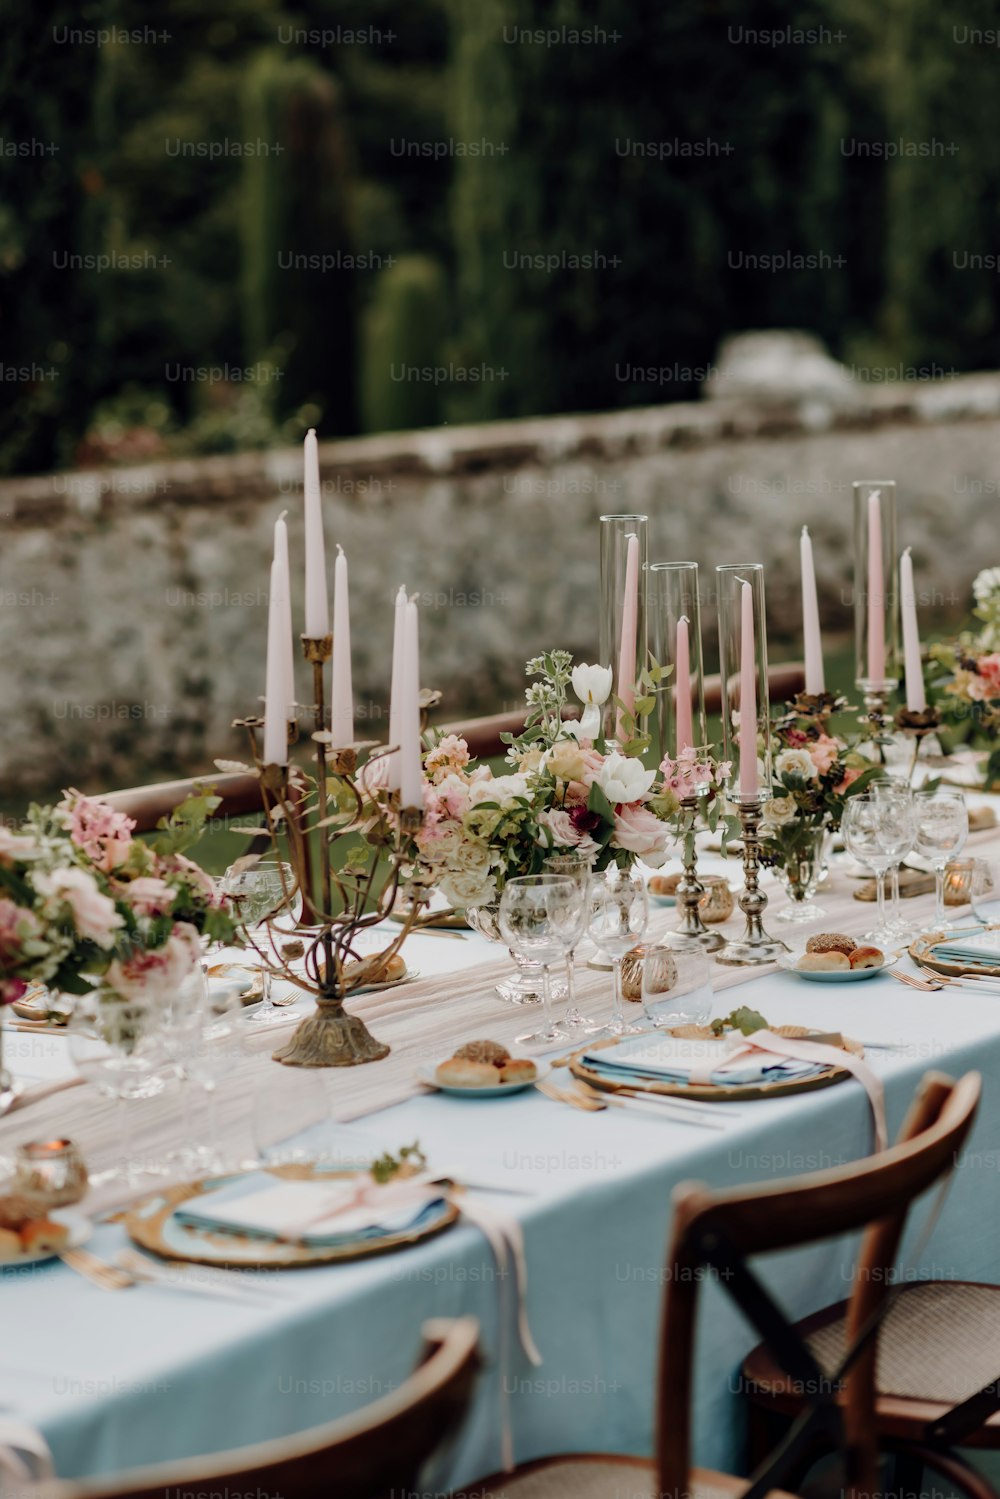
<point>10,1244</point>
<point>831,942</point>
<point>867,957</point>
<point>459,1072</point>
<point>483,1051</point>
<point>664,884</point>
<point>378,969</point>
<point>823,962</point>
<point>42,1234</point>
<point>518,1070</point>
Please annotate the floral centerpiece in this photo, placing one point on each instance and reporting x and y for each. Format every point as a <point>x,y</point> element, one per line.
<point>84,904</point>
<point>815,774</point>
<point>964,677</point>
<point>568,788</point>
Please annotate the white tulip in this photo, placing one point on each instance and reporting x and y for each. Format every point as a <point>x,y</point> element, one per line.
<point>624,779</point>
<point>592,684</point>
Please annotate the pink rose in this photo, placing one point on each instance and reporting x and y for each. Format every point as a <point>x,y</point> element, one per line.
<point>94,914</point>
<point>565,832</point>
<point>103,834</point>
<point>149,896</point>
<point>641,833</point>
<point>988,668</point>
<point>824,753</point>
<point>851,774</point>
<point>156,970</point>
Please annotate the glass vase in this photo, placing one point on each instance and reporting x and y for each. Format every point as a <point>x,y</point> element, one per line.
<point>876,597</point>
<point>672,601</point>
<point>800,868</point>
<point>746,726</point>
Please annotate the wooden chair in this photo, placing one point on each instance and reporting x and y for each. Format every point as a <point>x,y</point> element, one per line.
<point>718,1230</point>
<point>483,734</point>
<point>378,1451</point>
<point>147,804</point>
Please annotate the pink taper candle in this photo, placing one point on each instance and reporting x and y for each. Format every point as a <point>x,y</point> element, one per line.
<point>916,700</point>
<point>410,770</point>
<point>630,627</point>
<point>749,784</point>
<point>317,608</point>
<point>275,687</point>
<point>396,690</point>
<point>682,691</point>
<point>342,695</point>
<point>815,681</point>
<point>876,596</point>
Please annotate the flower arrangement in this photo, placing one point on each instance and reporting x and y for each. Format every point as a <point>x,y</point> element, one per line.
<point>568,789</point>
<point>964,676</point>
<point>83,903</point>
<point>815,773</point>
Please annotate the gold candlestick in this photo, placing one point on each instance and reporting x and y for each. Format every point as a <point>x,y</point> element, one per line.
<point>756,945</point>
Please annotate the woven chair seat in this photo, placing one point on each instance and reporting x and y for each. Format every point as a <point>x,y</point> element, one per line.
<point>602,1477</point>
<point>940,1341</point>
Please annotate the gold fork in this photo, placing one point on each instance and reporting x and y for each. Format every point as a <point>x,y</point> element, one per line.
<point>575,1100</point>
<point>98,1272</point>
<point>923,984</point>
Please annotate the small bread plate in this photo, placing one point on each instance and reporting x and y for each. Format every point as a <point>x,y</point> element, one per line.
<point>438,914</point>
<point>660,900</point>
<point>427,1076</point>
<point>43,1008</point>
<point>787,961</point>
<point>376,988</point>
<point>80,1230</point>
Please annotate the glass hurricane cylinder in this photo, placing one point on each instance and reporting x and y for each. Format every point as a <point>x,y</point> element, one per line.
<point>672,595</point>
<point>615,533</point>
<point>743,662</point>
<point>876,598</point>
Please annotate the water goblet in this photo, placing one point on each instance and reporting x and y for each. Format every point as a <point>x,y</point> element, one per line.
<point>537,916</point>
<point>864,829</point>
<point>676,986</point>
<point>942,826</point>
<point>257,893</point>
<point>899,796</point>
<point>576,867</point>
<point>619,915</point>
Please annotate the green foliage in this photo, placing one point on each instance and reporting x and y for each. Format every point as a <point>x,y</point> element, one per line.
<point>405,331</point>
<point>185,825</point>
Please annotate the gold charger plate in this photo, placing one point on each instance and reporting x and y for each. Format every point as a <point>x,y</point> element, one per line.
<point>711,1092</point>
<point>151,1225</point>
<point>922,951</point>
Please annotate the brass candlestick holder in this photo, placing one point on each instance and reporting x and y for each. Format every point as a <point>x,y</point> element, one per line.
<point>756,945</point>
<point>309,826</point>
<point>690,926</point>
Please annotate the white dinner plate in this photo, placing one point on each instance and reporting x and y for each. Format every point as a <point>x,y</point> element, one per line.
<point>80,1230</point>
<point>502,1090</point>
<point>829,975</point>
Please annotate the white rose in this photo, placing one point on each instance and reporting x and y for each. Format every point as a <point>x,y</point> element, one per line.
<point>462,890</point>
<point>624,779</point>
<point>987,584</point>
<point>779,811</point>
<point>796,762</point>
<point>504,790</point>
<point>592,684</point>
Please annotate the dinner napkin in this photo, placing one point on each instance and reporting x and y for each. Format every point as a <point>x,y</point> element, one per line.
<point>673,1059</point>
<point>968,948</point>
<point>316,1213</point>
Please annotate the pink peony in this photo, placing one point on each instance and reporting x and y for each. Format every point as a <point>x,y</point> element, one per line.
<point>565,832</point>
<point>824,753</point>
<point>149,896</point>
<point>103,834</point>
<point>639,831</point>
<point>156,971</point>
<point>94,914</point>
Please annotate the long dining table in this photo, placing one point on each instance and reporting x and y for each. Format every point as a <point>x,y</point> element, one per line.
<point>113,1379</point>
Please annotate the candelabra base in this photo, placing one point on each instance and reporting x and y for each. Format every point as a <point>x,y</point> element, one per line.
<point>331,1038</point>
<point>756,946</point>
<point>749,950</point>
<point>679,939</point>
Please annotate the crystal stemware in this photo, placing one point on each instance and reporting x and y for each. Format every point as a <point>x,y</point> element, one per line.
<point>258,892</point>
<point>899,796</point>
<point>538,913</point>
<point>576,867</point>
<point>619,915</point>
<point>865,838</point>
<point>942,826</point>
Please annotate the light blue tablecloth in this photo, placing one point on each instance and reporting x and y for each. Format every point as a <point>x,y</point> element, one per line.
<point>115,1379</point>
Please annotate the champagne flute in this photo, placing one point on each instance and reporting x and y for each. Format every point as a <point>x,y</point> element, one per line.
<point>942,826</point>
<point>576,867</point>
<point>535,911</point>
<point>619,915</point>
<point>258,892</point>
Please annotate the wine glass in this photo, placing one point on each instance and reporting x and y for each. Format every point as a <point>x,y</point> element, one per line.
<point>536,917</point>
<point>258,892</point>
<point>942,826</point>
<point>210,1042</point>
<point>865,838</point>
<point>619,915</point>
<point>899,796</point>
<point>576,867</point>
<point>116,1043</point>
<point>676,986</point>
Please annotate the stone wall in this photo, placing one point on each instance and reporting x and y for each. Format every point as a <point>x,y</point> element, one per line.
<point>133,602</point>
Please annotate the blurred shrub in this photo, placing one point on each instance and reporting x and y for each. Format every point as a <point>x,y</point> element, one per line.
<point>403,377</point>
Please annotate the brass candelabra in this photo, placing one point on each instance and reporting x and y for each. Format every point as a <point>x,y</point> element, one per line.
<point>756,945</point>
<point>309,828</point>
<point>690,926</point>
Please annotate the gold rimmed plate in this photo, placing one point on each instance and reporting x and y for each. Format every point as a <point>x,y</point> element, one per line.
<point>713,1092</point>
<point>922,952</point>
<point>153,1224</point>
